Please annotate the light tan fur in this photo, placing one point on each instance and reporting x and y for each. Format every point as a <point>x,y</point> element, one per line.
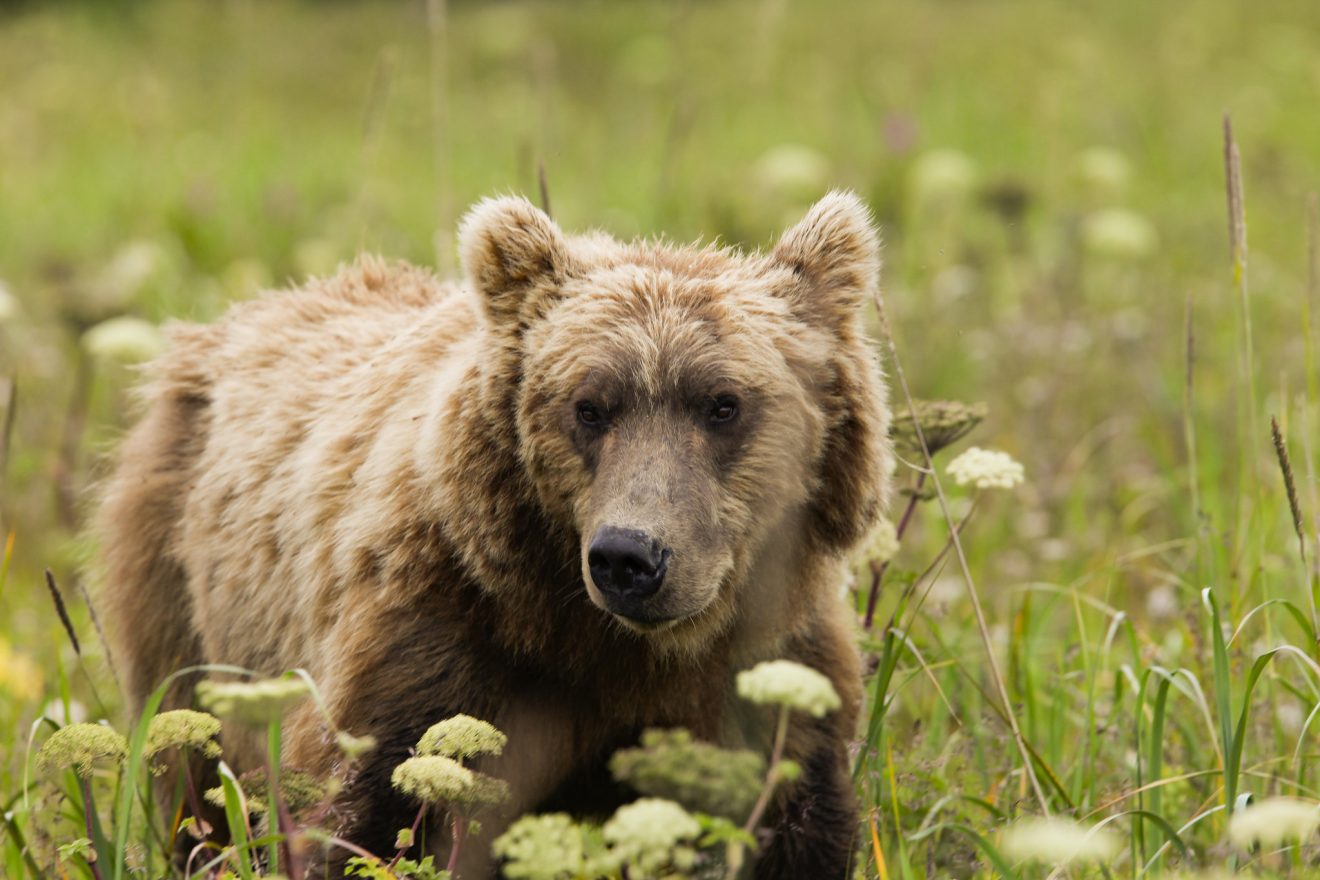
<point>378,478</point>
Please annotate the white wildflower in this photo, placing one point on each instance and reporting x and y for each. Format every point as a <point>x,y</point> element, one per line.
<point>433,778</point>
<point>1119,234</point>
<point>8,304</point>
<point>124,339</point>
<point>942,176</point>
<point>785,683</point>
<point>1274,822</point>
<point>986,469</point>
<point>882,544</point>
<point>1103,171</point>
<point>647,834</point>
<point>1162,603</point>
<point>462,737</point>
<point>253,702</point>
<point>793,170</point>
<point>1057,842</point>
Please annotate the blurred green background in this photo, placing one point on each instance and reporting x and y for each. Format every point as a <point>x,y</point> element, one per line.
<point>1048,177</point>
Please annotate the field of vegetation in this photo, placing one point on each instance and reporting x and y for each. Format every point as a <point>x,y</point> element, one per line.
<point>1126,643</point>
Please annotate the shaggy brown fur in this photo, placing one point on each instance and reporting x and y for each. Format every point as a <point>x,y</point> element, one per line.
<point>385,479</point>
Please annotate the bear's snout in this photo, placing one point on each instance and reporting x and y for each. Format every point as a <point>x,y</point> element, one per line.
<point>627,566</point>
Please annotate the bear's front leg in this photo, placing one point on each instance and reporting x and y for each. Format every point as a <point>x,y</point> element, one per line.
<point>813,831</point>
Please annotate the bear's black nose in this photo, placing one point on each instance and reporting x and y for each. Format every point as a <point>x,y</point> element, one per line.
<point>626,566</point>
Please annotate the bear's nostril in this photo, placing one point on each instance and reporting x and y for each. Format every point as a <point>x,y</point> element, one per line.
<point>626,562</point>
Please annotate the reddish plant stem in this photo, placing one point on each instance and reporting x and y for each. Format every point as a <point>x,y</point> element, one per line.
<point>878,571</point>
<point>417,823</point>
<point>86,785</point>
<point>458,826</point>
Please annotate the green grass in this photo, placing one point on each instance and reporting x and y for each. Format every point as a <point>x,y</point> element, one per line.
<point>1149,609</point>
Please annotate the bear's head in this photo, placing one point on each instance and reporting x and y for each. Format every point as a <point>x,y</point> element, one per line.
<point>689,412</point>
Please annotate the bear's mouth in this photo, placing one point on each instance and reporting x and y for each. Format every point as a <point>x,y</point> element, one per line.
<point>646,625</point>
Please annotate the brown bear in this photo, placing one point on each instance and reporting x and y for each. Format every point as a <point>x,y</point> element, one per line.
<point>573,496</point>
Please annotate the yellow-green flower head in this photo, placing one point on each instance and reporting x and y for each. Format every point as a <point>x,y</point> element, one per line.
<point>462,737</point>
<point>125,339</point>
<point>549,847</point>
<point>1057,842</point>
<point>183,728</point>
<point>252,702</point>
<point>793,170</point>
<point>354,747</point>
<point>298,790</point>
<point>648,832</point>
<point>1119,234</point>
<point>882,544</point>
<point>785,683</point>
<point>942,176</point>
<point>433,778</point>
<point>1274,822</point>
<point>79,746</point>
<point>1103,171</point>
<point>8,304</point>
<point>986,469</point>
<point>943,423</point>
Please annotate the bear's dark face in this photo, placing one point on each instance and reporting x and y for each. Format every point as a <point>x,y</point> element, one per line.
<point>675,407</point>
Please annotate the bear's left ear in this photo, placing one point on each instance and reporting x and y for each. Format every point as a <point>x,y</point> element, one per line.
<point>835,254</point>
<point>512,253</point>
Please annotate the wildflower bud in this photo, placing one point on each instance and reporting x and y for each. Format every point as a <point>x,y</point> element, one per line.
<point>183,728</point>
<point>882,544</point>
<point>702,777</point>
<point>352,746</point>
<point>79,746</point>
<point>785,683</point>
<point>943,423</point>
<point>461,737</point>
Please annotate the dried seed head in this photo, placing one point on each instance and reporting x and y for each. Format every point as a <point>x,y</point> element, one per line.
<point>943,422</point>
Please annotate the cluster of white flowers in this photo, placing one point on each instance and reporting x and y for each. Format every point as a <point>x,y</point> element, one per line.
<point>462,737</point>
<point>942,176</point>
<point>793,170</point>
<point>986,469</point>
<point>785,683</point>
<point>1273,822</point>
<point>433,778</point>
<point>1057,842</point>
<point>253,702</point>
<point>1119,234</point>
<point>8,304</point>
<point>125,339</point>
<point>648,833</point>
<point>882,544</point>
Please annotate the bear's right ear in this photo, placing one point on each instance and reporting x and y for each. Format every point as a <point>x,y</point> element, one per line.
<point>511,250</point>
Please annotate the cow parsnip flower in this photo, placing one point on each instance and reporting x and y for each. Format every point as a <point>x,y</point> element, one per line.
<point>79,746</point>
<point>1119,234</point>
<point>986,469</point>
<point>785,683</point>
<point>649,834</point>
<point>882,544</point>
<point>253,702</point>
<point>183,728</point>
<point>433,778</point>
<point>549,847</point>
<point>462,737</point>
<point>1274,822</point>
<point>1057,842</point>
<point>125,339</point>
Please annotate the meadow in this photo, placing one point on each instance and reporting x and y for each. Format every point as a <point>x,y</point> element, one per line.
<point>1128,640</point>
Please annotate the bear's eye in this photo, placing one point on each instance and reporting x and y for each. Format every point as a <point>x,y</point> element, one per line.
<point>724,409</point>
<point>590,415</point>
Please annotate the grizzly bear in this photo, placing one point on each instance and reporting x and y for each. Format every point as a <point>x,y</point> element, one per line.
<point>573,495</point>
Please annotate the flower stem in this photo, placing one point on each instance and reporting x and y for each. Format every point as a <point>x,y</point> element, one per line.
<point>458,826</point>
<point>273,792</point>
<point>878,571</point>
<point>88,809</point>
<point>735,857</point>
<point>412,838</point>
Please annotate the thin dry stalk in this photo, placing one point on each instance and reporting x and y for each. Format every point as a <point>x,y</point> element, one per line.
<point>1312,304</point>
<point>1189,419</point>
<point>62,611</point>
<point>100,633</point>
<point>1028,767</point>
<point>9,397</point>
<point>1290,484</point>
<point>543,187</point>
<point>437,21</point>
